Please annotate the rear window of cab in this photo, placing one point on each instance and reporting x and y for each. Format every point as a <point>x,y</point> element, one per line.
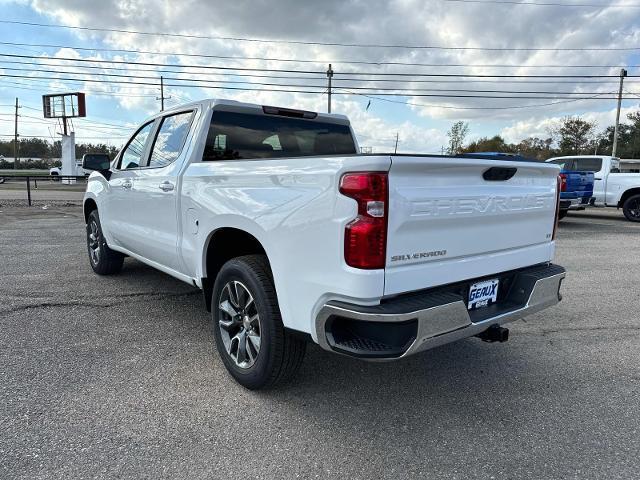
<point>235,136</point>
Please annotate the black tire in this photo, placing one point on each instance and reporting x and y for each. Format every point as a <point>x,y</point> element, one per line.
<point>562,214</point>
<point>102,259</point>
<point>631,208</point>
<point>280,353</point>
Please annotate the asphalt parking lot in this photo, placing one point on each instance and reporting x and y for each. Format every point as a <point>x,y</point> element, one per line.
<point>118,378</point>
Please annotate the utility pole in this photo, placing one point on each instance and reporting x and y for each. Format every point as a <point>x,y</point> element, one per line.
<point>162,98</point>
<point>15,139</point>
<point>395,150</point>
<point>623,73</point>
<point>329,76</point>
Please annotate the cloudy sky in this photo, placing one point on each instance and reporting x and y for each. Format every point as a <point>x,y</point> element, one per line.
<point>388,75</point>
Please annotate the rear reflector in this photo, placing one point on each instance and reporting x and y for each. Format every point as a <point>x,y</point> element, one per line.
<point>365,238</point>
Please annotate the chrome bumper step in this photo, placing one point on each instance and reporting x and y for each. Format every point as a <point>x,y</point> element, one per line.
<point>410,323</point>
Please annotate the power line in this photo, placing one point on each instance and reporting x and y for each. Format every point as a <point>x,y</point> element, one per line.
<point>450,107</point>
<point>285,77</point>
<point>154,70</point>
<point>372,74</point>
<point>368,74</point>
<point>293,42</point>
<point>185,85</point>
<point>245,82</point>
<point>112,50</point>
<point>81,120</point>
<point>19,86</point>
<point>389,100</point>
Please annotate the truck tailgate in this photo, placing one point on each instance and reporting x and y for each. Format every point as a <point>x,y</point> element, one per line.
<point>450,221</point>
<point>580,183</point>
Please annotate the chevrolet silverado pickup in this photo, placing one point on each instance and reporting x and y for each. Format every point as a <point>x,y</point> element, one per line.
<point>294,237</point>
<point>611,188</point>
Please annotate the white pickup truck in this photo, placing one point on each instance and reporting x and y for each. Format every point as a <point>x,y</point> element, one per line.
<point>294,237</point>
<point>610,188</point>
<point>78,171</point>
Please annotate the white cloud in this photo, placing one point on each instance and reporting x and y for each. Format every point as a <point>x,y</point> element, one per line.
<point>395,22</point>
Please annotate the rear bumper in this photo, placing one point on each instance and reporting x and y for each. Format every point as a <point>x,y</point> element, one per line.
<point>574,203</point>
<point>411,323</point>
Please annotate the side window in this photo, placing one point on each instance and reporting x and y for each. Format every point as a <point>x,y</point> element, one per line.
<point>132,155</point>
<point>588,164</point>
<point>564,164</point>
<point>170,139</point>
<point>274,141</point>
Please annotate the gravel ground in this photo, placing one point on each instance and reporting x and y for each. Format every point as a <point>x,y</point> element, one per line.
<point>117,377</point>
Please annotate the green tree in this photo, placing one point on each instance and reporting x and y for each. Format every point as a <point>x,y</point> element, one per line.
<point>83,148</point>
<point>485,144</point>
<point>628,138</point>
<point>534,147</point>
<point>37,148</point>
<point>574,136</point>
<point>457,134</point>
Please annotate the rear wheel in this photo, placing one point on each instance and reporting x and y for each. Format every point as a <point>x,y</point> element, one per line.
<point>103,260</point>
<point>252,342</point>
<point>631,208</point>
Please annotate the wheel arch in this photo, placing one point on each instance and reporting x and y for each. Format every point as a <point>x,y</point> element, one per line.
<point>628,193</point>
<point>89,206</point>
<point>222,245</point>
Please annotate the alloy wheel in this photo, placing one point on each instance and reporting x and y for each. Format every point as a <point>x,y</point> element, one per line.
<point>239,324</point>
<point>634,208</point>
<point>94,242</point>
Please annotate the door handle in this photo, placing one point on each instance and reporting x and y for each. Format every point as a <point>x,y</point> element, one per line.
<point>127,184</point>
<point>166,186</point>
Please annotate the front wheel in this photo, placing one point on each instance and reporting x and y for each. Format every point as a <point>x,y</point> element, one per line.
<point>631,208</point>
<point>252,342</point>
<point>103,260</point>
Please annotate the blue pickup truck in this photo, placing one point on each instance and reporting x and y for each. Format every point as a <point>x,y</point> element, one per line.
<point>576,187</point>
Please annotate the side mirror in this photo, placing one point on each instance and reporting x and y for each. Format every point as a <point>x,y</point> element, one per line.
<point>95,162</point>
<point>98,163</point>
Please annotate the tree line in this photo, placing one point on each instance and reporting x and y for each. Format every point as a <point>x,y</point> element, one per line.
<point>570,136</point>
<point>45,151</point>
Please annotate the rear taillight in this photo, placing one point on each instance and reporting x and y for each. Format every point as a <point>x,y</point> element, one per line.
<point>562,178</point>
<point>558,189</point>
<point>365,238</point>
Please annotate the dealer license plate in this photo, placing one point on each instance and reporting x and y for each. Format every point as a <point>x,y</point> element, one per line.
<point>483,293</point>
